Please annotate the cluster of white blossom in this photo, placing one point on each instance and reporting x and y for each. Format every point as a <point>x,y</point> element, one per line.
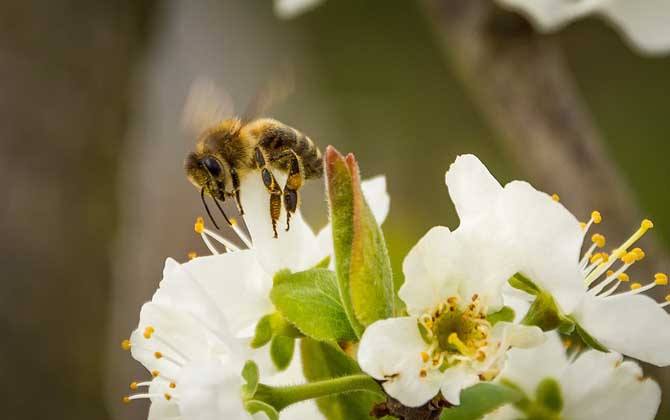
<point>484,303</point>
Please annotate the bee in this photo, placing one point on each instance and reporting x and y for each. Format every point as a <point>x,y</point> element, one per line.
<point>229,149</point>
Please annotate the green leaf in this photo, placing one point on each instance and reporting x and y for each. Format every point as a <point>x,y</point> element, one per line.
<point>272,325</point>
<point>479,400</point>
<point>548,394</point>
<point>506,314</point>
<point>323,361</point>
<point>310,300</point>
<point>281,351</point>
<point>361,259</point>
<point>324,263</point>
<point>250,375</point>
<point>255,406</point>
<point>521,282</point>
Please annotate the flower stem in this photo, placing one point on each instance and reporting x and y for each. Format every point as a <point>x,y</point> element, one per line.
<point>282,396</point>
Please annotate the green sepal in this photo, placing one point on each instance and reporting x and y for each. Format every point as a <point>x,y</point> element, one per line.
<point>310,301</point>
<point>505,314</point>
<point>548,394</point>
<point>326,360</point>
<point>588,339</point>
<point>272,325</point>
<point>544,313</point>
<point>255,406</point>
<point>521,282</point>
<point>324,263</point>
<point>250,375</point>
<point>479,400</point>
<point>281,351</point>
<point>361,259</point>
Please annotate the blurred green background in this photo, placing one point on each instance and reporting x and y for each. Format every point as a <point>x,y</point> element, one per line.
<point>92,150</point>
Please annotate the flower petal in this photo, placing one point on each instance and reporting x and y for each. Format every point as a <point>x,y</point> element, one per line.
<point>472,188</point>
<point>296,249</point>
<point>546,240</point>
<point>527,367</point>
<point>238,285</point>
<point>287,9</point>
<point>390,351</point>
<point>645,26</point>
<point>600,386</point>
<point>161,408</point>
<point>633,325</point>
<point>456,379</point>
<point>374,191</point>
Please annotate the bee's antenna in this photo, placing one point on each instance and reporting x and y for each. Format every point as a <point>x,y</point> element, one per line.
<point>204,203</point>
<point>221,210</point>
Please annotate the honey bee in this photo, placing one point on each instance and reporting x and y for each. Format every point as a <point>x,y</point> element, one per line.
<point>229,149</point>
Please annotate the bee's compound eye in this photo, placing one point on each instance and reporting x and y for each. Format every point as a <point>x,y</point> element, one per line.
<point>212,165</point>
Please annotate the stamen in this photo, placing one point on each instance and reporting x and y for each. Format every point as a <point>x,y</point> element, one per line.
<point>598,240</point>
<point>460,346</point>
<point>661,279</point>
<point>243,236</point>
<point>150,333</point>
<point>192,255</point>
<point>135,385</point>
<point>556,197</point>
<point>425,357</point>
<point>125,345</point>
<point>610,290</point>
<point>199,228</point>
<point>666,303</point>
<point>128,398</point>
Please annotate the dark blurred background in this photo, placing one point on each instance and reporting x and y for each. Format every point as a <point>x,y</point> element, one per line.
<point>94,196</point>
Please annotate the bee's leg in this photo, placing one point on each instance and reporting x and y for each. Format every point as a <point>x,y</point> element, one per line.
<point>272,186</point>
<point>293,183</point>
<point>236,189</point>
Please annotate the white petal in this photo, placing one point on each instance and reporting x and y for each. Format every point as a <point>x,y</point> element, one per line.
<point>296,249</point>
<point>427,269</point>
<point>517,300</point>
<point>374,191</point>
<point>599,386</point>
<point>211,390</point>
<point>456,379</point>
<point>527,367</point>
<point>507,335</point>
<point>161,408</point>
<point>646,24</point>
<point>547,241</point>
<point>390,350</point>
<point>550,15</point>
<point>238,285</point>
<point>287,9</point>
<point>506,412</point>
<point>178,289</point>
<point>472,188</point>
<point>633,325</point>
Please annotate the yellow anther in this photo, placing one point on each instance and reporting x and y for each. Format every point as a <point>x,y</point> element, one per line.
<point>556,197</point>
<point>126,399</point>
<point>423,373</point>
<point>125,344</point>
<point>133,386</point>
<point>623,277</point>
<point>667,298</point>
<point>168,396</point>
<point>609,273</point>
<point>158,355</point>
<point>199,225</point>
<point>596,217</point>
<point>661,279</point>
<point>567,343</point>
<point>155,373</point>
<point>599,240</point>
<point>425,356</point>
<point>596,257</point>
<point>192,255</point>
<point>173,385</point>
<point>647,224</point>
<point>233,221</point>
<point>629,258</point>
<point>148,332</point>
<point>635,286</point>
<point>583,225</point>
<point>639,254</point>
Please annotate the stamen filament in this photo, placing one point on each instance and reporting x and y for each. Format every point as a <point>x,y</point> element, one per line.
<point>240,233</point>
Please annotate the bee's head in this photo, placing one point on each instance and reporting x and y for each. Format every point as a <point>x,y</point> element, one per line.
<point>208,172</point>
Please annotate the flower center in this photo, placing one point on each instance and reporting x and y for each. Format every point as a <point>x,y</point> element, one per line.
<point>455,333</point>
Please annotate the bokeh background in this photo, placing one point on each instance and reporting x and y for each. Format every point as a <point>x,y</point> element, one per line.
<point>94,197</point>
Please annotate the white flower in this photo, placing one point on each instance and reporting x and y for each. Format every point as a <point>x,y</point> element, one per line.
<point>196,363</point>
<point>644,23</point>
<point>595,386</point>
<point>287,9</point>
<point>452,282</point>
<point>543,240</point>
<point>240,280</point>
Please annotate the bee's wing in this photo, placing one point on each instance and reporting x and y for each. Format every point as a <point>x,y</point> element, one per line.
<point>206,105</point>
<point>275,90</point>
